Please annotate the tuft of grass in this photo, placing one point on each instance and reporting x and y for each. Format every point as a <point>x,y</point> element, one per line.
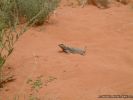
<point>33,97</point>
<point>35,84</point>
<point>29,8</point>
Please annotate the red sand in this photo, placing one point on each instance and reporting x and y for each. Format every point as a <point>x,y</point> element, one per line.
<point>107,67</point>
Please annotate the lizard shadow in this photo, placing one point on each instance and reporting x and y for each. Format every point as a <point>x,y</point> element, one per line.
<point>63,52</point>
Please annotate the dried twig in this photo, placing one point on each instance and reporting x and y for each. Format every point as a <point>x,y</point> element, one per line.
<point>6,80</point>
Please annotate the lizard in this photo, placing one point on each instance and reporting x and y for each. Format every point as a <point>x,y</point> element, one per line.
<point>72,50</point>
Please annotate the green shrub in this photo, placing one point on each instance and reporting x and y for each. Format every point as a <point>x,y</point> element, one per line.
<point>29,8</point>
<point>35,11</point>
<point>7,8</point>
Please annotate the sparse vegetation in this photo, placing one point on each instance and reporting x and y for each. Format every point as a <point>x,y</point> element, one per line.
<point>35,86</point>
<point>30,8</point>
<point>11,12</point>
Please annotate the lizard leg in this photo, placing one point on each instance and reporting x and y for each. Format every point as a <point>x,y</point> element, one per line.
<point>67,51</point>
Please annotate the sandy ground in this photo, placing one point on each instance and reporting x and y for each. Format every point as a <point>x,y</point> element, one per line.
<point>106,69</point>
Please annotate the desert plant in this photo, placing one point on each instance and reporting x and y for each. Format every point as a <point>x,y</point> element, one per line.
<point>7,22</point>
<point>29,8</point>
<point>35,86</point>
<point>10,13</point>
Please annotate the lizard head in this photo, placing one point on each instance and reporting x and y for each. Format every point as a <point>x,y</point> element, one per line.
<point>61,45</point>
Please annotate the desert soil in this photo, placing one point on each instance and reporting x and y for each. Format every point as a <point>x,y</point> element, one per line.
<point>106,69</point>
